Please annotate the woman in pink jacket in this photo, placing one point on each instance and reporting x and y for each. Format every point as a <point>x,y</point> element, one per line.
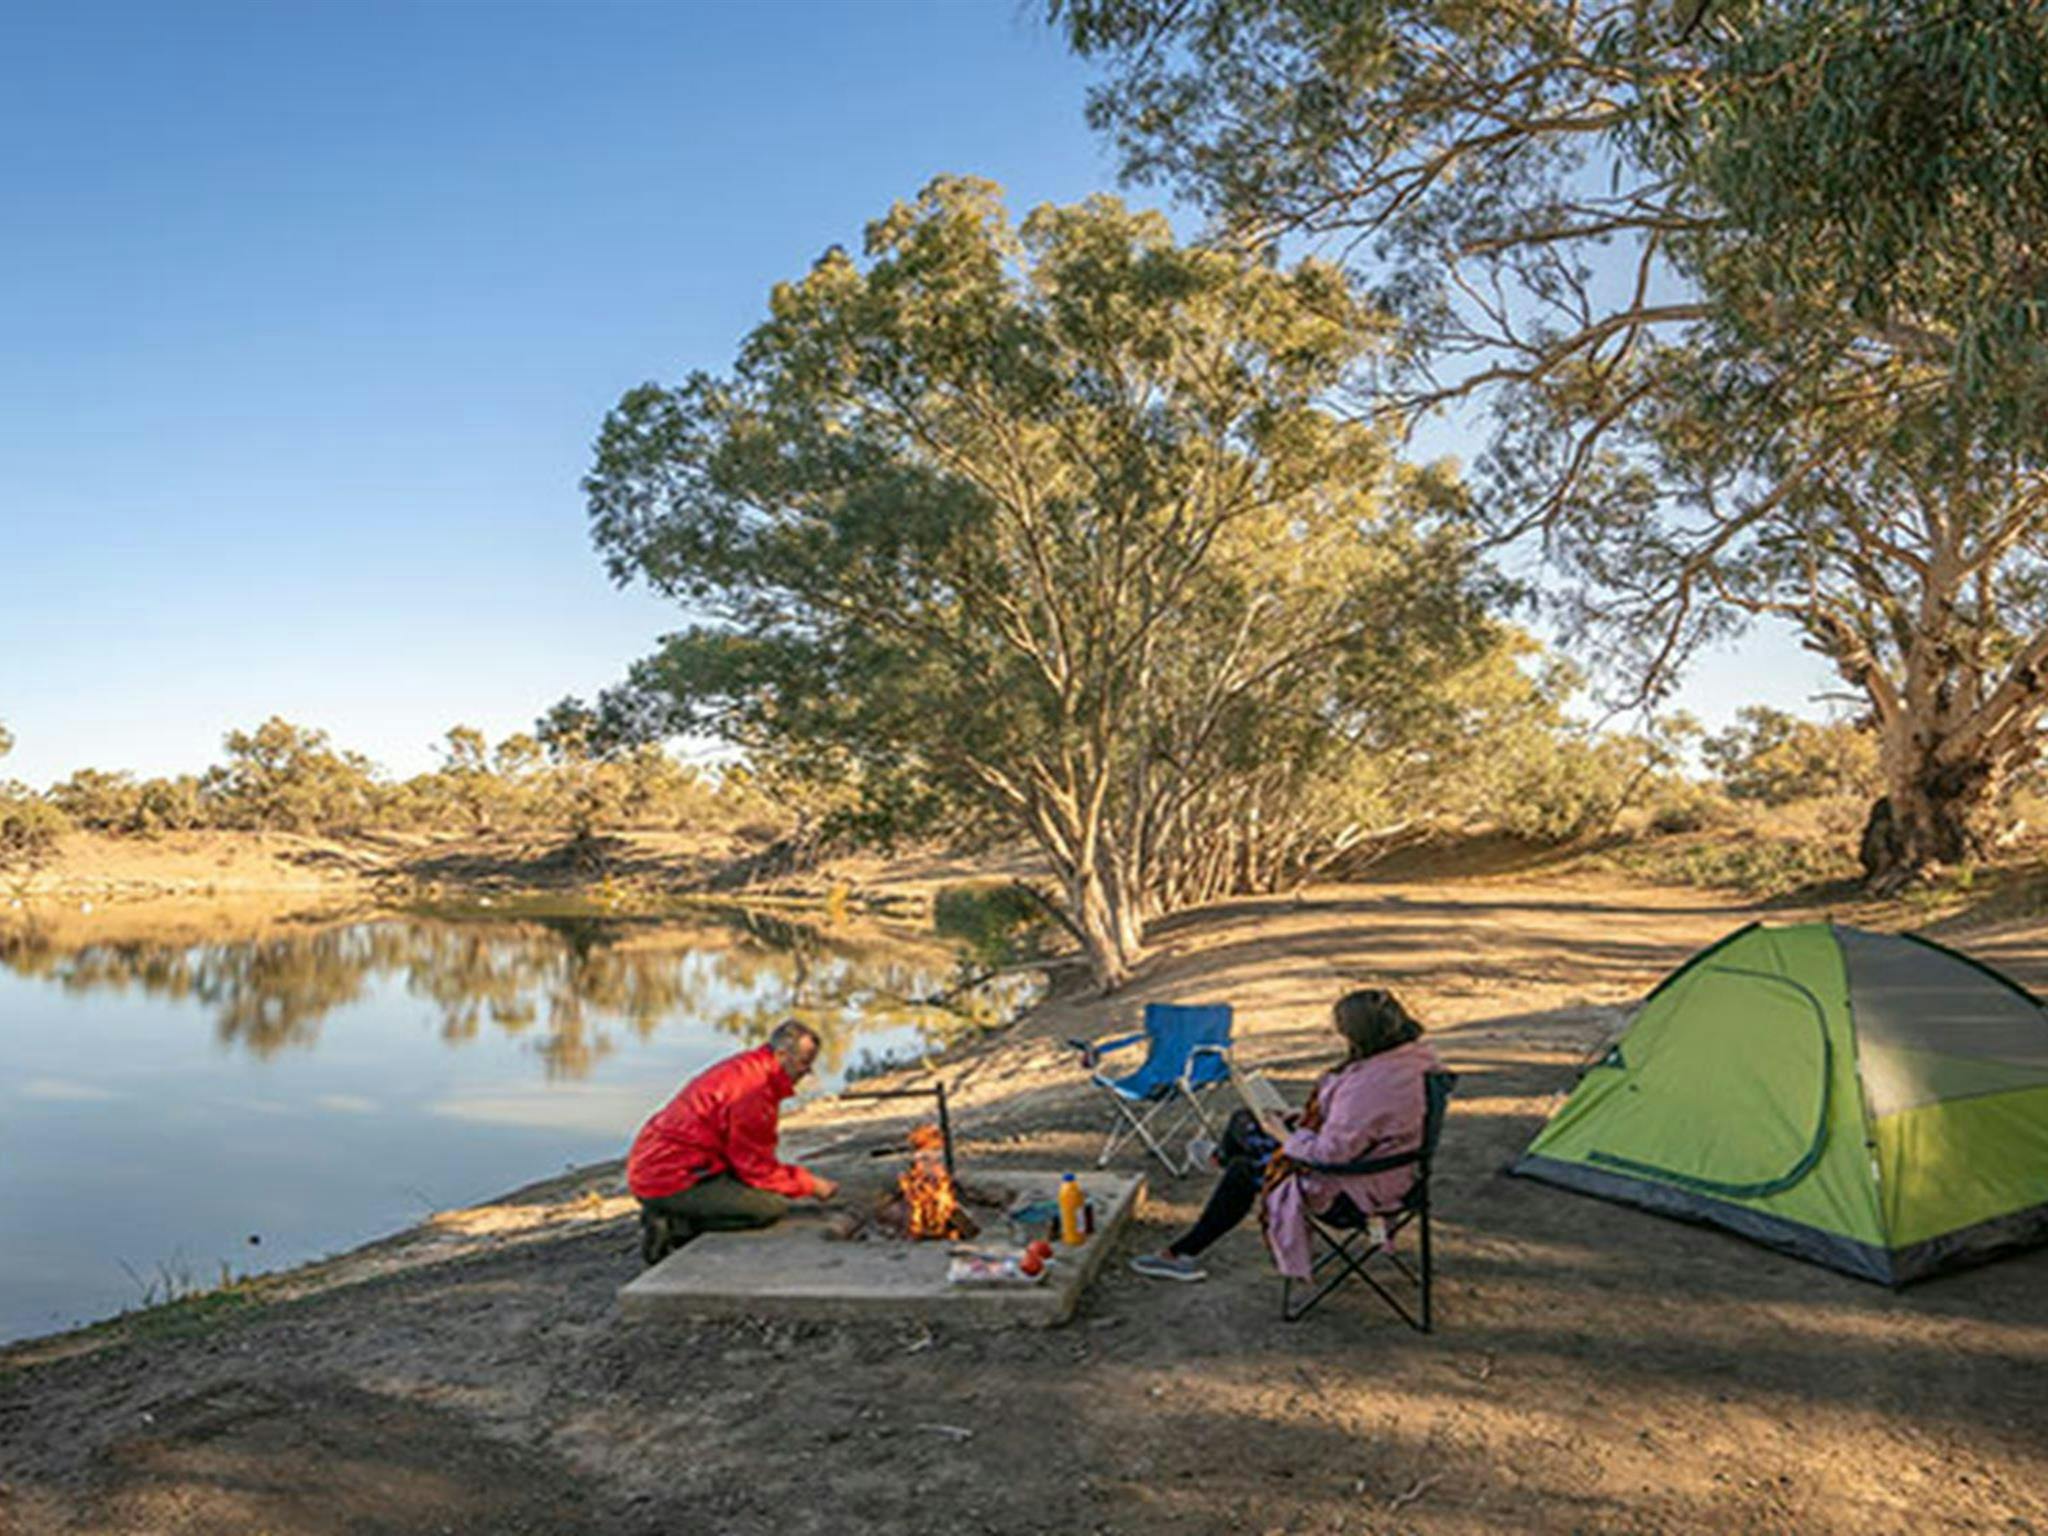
<point>1371,1105</point>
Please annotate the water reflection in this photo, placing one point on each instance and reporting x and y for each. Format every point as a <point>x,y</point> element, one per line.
<point>568,987</point>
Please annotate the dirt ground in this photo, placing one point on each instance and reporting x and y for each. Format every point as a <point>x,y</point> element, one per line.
<point>1594,1368</point>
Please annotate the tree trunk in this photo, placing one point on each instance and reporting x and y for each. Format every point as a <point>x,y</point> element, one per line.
<point>1103,928</point>
<point>1937,814</point>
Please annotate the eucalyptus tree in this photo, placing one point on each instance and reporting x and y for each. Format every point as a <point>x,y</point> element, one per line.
<point>465,776</point>
<point>29,824</point>
<point>1753,289</point>
<point>1052,519</point>
<point>286,777</point>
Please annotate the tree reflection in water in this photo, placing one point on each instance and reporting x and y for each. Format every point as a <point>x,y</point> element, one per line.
<point>566,985</point>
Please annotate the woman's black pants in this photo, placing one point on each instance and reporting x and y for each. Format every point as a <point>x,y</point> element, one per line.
<point>1244,1150</point>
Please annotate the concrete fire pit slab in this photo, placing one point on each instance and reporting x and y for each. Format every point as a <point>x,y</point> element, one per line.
<point>794,1270</point>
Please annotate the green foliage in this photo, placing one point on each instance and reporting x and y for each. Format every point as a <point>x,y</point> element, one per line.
<point>171,805</point>
<point>29,830</point>
<point>607,768</point>
<point>1755,297</point>
<point>1677,804</point>
<point>1756,866</point>
<point>1515,758</point>
<point>29,825</point>
<point>998,922</point>
<point>103,801</point>
<point>1776,758</point>
<point>284,777</point>
<point>1052,520</point>
<point>1882,170</point>
<point>1576,788</point>
<point>467,777</point>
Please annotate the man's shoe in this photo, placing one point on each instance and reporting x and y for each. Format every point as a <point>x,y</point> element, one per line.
<point>1168,1266</point>
<point>662,1235</point>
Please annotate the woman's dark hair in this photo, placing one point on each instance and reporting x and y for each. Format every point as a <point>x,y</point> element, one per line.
<point>1372,1019</point>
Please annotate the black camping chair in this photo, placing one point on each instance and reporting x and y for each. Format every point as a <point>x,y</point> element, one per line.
<point>1335,1238</point>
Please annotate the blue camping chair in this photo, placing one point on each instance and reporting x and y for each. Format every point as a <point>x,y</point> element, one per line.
<point>1187,1058</point>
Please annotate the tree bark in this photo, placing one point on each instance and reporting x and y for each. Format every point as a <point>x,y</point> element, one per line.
<point>1935,815</point>
<point>1103,929</point>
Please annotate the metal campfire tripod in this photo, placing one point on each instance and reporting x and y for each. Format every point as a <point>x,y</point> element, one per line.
<point>935,1091</point>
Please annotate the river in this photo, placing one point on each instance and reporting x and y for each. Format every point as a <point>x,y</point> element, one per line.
<point>177,1113</point>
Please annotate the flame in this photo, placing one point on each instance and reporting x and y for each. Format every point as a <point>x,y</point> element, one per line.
<point>928,1194</point>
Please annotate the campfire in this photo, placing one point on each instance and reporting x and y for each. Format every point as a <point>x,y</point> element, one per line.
<point>931,1205</point>
<point>925,1203</point>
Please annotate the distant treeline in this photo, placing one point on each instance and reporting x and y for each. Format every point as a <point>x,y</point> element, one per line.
<point>570,779</point>
<point>281,777</point>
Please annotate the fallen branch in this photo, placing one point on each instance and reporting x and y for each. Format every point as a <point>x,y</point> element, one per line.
<point>1415,1491</point>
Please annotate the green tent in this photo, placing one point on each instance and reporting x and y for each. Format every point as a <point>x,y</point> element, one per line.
<point>1871,1101</point>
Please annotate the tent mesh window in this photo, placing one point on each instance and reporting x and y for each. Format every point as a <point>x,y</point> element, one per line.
<point>1931,1027</point>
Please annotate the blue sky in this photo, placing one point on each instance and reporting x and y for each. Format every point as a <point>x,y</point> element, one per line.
<point>309,313</point>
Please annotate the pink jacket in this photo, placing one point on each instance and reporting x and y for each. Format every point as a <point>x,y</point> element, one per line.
<point>1373,1107</point>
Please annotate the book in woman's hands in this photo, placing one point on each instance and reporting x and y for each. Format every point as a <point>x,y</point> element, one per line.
<point>1264,1101</point>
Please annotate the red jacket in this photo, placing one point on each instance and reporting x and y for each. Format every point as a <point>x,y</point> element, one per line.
<point>725,1120</point>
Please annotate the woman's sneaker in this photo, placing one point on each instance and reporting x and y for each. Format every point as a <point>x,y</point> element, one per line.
<point>1168,1266</point>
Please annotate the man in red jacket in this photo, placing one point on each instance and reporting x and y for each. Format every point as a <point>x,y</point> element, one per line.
<point>706,1160</point>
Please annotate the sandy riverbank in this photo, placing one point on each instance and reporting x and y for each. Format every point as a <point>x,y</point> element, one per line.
<point>369,866</point>
<point>1596,1369</point>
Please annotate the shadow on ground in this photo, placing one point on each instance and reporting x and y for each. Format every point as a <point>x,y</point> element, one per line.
<point>1595,1369</point>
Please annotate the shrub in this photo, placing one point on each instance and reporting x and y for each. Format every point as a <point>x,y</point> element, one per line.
<point>1678,804</point>
<point>1776,758</point>
<point>997,922</point>
<point>284,777</point>
<point>1756,866</point>
<point>92,797</point>
<point>29,829</point>
<point>1575,787</point>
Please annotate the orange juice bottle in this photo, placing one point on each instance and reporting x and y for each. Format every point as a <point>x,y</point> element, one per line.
<point>1071,1201</point>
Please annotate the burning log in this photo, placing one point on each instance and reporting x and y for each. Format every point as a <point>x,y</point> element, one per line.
<point>928,1200</point>
<point>926,1203</point>
<point>893,1216</point>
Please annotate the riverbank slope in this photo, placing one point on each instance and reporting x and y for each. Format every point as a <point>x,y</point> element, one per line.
<point>210,864</point>
<point>1595,1369</point>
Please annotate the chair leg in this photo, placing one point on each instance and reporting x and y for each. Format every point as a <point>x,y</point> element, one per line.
<point>1118,1132</point>
<point>1336,1249</point>
<point>1162,1123</point>
<point>1197,1109</point>
<point>1427,1273</point>
<point>1172,1164</point>
<point>1127,1124</point>
<point>1178,1113</point>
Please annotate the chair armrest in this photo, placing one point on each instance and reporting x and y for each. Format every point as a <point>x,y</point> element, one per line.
<point>1092,1051</point>
<point>1363,1164</point>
